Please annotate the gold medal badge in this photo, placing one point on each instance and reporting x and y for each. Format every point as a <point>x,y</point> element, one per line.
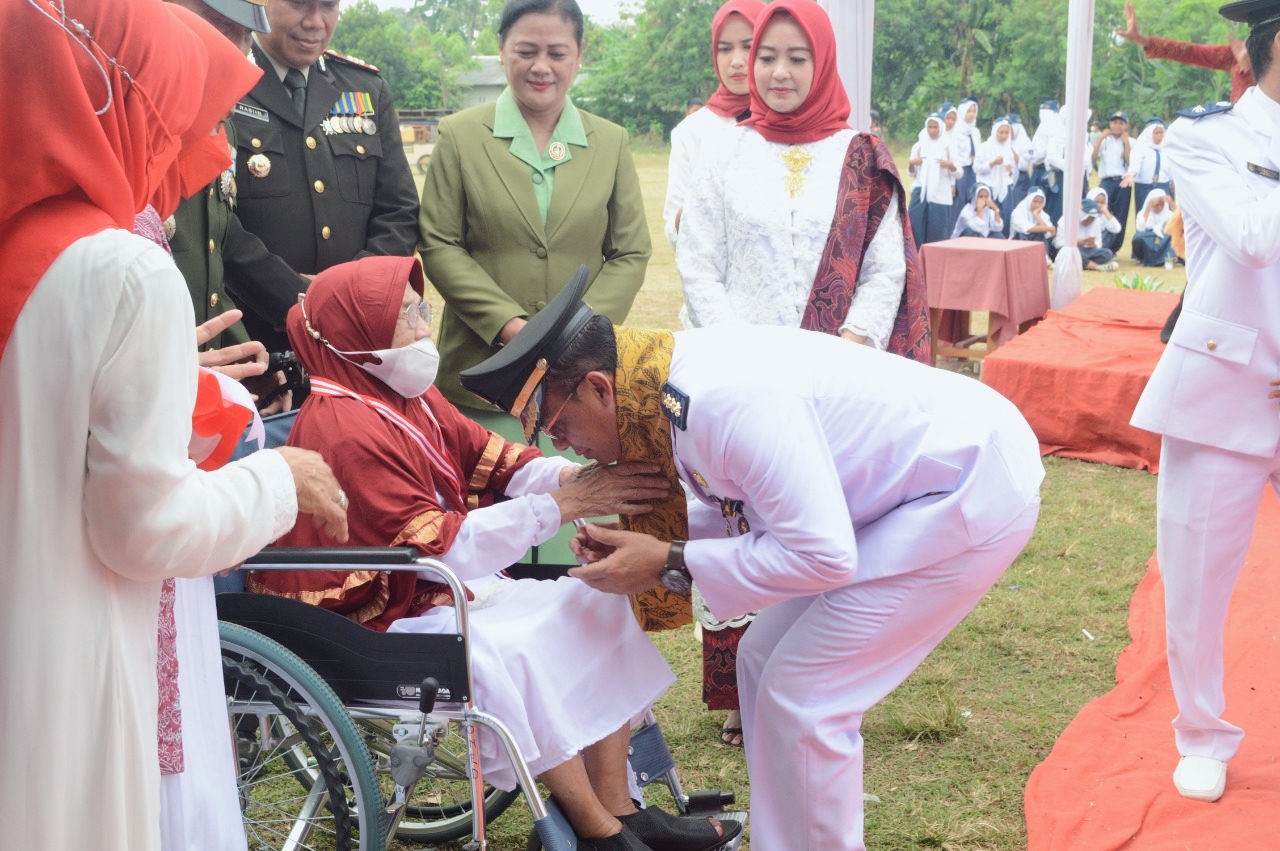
<point>259,165</point>
<point>557,151</point>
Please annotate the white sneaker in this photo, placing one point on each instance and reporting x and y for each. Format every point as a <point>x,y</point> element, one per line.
<point>1168,265</point>
<point>1110,266</point>
<point>1200,778</point>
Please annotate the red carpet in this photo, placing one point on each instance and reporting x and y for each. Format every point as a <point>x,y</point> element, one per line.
<point>1107,783</point>
<point>1077,376</point>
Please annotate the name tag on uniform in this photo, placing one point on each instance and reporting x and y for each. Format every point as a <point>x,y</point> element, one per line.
<point>252,112</point>
<point>1268,173</point>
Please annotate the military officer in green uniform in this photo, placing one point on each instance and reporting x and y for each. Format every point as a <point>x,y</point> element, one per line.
<point>321,175</point>
<point>204,225</point>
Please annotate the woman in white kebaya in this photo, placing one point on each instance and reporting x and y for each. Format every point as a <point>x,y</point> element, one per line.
<point>731,51</point>
<point>935,174</point>
<point>758,217</point>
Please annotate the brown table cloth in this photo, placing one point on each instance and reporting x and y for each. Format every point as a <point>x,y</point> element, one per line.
<point>1006,278</point>
<point>1077,376</point>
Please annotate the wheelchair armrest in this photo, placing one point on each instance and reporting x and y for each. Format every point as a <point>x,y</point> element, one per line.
<point>289,556</point>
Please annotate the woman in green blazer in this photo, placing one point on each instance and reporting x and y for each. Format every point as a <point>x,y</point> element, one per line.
<point>523,191</point>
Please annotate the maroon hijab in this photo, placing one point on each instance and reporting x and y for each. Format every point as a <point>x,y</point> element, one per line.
<point>398,495</point>
<point>724,102</point>
<point>826,110</point>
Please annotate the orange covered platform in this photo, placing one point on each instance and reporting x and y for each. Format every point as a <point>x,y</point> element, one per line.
<point>1077,376</point>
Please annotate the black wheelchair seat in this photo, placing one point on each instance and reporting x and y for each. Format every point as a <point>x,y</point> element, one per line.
<point>358,663</point>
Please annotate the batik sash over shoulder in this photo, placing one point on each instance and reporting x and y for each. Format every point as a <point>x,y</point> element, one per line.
<point>644,362</point>
<point>868,181</point>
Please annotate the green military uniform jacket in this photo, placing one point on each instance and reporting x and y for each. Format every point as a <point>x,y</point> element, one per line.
<point>325,197</point>
<point>485,248</point>
<point>199,231</point>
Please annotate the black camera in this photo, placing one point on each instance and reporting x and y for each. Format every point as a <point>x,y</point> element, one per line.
<point>295,377</point>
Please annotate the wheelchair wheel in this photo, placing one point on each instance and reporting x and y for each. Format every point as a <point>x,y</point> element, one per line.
<point>439,807</point>
<point>293,806</point>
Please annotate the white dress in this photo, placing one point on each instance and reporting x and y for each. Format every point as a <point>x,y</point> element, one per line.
<point>99,504</point>
<point>749,250</point>
<point>562,665</point>
<point>689,138</point>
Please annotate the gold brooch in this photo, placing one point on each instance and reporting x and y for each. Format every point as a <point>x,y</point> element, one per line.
<point>797,161</point>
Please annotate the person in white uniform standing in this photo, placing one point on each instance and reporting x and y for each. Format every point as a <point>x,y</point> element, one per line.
<point>864,504</point>
<point>1209,394</point>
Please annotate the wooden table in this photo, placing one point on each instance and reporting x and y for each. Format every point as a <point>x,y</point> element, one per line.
<point>1005,278</point>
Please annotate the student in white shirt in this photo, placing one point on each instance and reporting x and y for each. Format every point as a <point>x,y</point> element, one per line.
<point>1151,245</point>
<point>935,173</point>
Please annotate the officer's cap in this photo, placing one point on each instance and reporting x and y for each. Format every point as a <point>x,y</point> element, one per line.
<point>512,378</point>
<point>1255,13</point>
<point>246,13</point>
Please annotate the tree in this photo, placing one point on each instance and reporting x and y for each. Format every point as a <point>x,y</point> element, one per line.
<point>647,68</point>
<point>422,67</point>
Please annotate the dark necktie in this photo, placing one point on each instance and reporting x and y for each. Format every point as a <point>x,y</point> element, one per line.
<point>297,86</point>
<point>1155,178</point>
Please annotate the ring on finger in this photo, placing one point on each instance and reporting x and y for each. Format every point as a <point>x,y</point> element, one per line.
<point>342,500</point>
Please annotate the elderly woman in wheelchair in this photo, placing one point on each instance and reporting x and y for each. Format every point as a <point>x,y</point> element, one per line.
<point>567,667</point>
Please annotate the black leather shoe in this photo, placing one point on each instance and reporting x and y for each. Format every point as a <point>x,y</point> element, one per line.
<point>663,831</point>
<point>624,841</point>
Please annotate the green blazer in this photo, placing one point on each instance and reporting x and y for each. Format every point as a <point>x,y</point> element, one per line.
<point>484,246</point>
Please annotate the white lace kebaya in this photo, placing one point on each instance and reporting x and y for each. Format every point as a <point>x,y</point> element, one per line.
<point>749,246</point>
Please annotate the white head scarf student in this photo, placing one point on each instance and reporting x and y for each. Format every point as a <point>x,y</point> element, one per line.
<point>980,216</point>
<point>1093,254</point>
<point>932,164</point>
<point>1111,236</point>
<point>1151,246</point>
<point>1021,141</point>
<point>1148,167</point>
<point>996,165</point>
<point>1031,223</point>
<point>965,139</point>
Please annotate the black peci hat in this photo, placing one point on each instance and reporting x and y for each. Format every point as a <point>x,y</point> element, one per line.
<point>511,379</point>
<point>247,13</point>
<point>1255,13</point>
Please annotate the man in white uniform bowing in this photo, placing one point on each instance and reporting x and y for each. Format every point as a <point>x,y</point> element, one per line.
<point>863,502</point>
<point>1209,396</point>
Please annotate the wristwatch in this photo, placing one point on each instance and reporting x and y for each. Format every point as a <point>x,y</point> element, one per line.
<point>675,576</point>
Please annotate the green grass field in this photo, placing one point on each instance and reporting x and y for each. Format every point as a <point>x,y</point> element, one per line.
<point>948,753</point>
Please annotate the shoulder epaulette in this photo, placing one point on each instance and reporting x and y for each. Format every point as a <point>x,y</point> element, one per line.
<point>675,405</point>
<point>351,60</point>
<point>1207,109</point>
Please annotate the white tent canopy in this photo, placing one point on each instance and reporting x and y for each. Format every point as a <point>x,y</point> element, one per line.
<point>854,24</point>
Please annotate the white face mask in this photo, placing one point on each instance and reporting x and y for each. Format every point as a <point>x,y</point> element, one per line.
<point>408,370</point>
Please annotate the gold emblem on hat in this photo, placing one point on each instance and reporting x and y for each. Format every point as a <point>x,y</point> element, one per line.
<point>699,480</point>
<point>557,151</point>
<point>259,165</point>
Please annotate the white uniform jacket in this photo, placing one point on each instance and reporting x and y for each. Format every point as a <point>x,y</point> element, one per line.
<point>1210,386</point>
<point>822,441</point>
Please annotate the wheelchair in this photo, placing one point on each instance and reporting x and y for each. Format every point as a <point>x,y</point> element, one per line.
<point>349,738</point>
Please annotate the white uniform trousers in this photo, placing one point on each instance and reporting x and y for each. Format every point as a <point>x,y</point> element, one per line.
<point>1207,502</point>
<point>811,667</point>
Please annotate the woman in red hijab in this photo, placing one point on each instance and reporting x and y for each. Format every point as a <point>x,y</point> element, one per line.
<point>800,221</point>
<point>566,667</point>
<point>98,381</point>
<point>731,30</point>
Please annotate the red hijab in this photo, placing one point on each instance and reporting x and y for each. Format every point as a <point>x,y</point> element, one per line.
<point>204,150</point>
<point>826,110</point>
<point>86,172</point>
<point>398,496</point>
<point>722,101</point>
